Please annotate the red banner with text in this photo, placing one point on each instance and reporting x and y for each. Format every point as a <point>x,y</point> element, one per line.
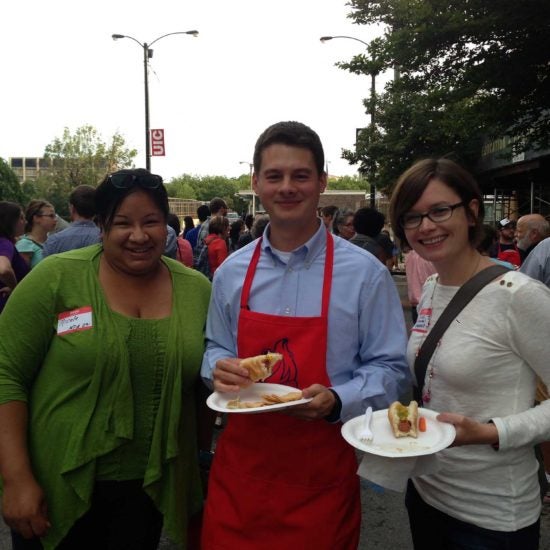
<point>157,143</point>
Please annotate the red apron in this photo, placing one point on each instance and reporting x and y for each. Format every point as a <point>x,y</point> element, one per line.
<point>277,481</point>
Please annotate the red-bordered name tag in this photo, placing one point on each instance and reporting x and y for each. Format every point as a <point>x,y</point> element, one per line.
<point>75,320</point>
<point>423,321</point>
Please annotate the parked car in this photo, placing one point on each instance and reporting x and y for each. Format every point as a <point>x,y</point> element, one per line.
<point>233,216</point>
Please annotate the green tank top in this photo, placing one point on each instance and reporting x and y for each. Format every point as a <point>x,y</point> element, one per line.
<point>146,344</point>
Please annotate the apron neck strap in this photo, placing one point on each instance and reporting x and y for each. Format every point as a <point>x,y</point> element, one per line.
<point>327,281</point>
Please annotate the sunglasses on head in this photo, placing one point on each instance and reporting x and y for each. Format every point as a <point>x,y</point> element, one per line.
<point>125,181</point>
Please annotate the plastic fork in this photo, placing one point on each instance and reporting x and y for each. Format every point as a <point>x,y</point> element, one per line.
<point>366,434</point>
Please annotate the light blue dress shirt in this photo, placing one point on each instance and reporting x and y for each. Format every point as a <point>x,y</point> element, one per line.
<point>78,234</point>
<point>367,338</point>
<point>537,263</point>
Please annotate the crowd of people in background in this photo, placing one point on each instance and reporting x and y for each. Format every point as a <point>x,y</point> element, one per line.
<point>102,369</point>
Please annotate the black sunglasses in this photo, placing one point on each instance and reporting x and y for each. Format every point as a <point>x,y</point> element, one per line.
<point>125,181</point>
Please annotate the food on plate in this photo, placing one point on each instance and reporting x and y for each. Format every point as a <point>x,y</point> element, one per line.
<point>422,424</point>
<point>238,404</point>
<point>403,420</point>
<point>274,399</point>
<point>260,367</point>
<point>267,399</point>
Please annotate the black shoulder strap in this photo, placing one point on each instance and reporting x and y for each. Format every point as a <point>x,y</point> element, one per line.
<point>460,300</point>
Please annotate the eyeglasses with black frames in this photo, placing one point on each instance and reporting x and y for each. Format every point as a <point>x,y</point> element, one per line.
<point>437,214</point>
<point>46,215</point>
<point>125,181</point>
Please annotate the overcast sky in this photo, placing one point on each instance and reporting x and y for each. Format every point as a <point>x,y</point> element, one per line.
<point>255,62</point>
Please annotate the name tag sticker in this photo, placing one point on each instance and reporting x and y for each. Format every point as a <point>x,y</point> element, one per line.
<point>75,320</point>
<point>423,321</point>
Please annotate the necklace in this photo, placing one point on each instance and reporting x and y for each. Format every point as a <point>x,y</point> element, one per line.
<point>427,394</point>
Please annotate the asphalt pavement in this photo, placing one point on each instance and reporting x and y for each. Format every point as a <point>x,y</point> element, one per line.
<point>384,523</point>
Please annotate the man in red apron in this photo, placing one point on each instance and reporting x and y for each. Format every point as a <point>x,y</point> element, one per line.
<point>288,479</point>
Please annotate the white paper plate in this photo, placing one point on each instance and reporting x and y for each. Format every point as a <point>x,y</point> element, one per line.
<point>218,401</point>
<point>438,436</point>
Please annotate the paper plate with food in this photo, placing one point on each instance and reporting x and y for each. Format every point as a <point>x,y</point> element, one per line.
<point>400,431</point>
<point>259,397</point>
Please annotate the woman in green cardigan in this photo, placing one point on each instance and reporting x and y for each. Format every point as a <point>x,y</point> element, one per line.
<point>98,439</point>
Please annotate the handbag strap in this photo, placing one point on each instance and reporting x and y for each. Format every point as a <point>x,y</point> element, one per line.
<point>459,301</point>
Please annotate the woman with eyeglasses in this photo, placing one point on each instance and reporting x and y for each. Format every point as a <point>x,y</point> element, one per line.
<point>343,224</point>
<point>40,219</point>
<point>98,438</point>
<point>481,376</point>
<point>12,266</point>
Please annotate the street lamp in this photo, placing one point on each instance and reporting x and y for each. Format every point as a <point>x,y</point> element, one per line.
<point>251,168</point>
<point>148,54</point>
<point>373,72</point>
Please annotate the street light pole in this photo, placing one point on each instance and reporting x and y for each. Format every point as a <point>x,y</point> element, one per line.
<point>148,54</point>
<point>251,169</point>
<point>372,113</point>
<point>147,122</point>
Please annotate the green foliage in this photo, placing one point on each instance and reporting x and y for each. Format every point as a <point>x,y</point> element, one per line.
<point>346,183</point>
<point>205,188</point>
<point>10,190</point>
<point>75,159</point>
<point>469,68</point>
<point>83,157</point>
<point>56,192</point>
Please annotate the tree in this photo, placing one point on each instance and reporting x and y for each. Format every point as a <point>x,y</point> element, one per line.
<point>469,69</point>
<point>83,157</point>
<point>204,188</point>
<point>78,158</point>
<point>345,183</point>
<point>10,190</point>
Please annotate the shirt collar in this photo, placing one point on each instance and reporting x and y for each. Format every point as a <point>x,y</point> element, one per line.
<point>308,251</point>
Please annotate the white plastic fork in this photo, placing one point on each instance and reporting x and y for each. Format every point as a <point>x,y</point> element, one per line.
<point>366,434</point>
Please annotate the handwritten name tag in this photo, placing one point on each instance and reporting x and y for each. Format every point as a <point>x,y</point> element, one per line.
<point>75,320</point>
<point>423,321</point>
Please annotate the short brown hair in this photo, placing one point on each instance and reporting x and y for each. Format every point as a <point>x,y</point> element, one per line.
<point>293,134</point>
<point>413,182</point>
<point>218,224</point>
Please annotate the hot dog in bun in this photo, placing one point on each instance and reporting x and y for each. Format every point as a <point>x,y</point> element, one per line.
<point>404,420</point>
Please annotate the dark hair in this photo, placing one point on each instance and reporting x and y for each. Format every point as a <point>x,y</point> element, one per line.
<point>33,209</point>
<point>108,198</point>
<point>488,238</point>
<point>218,224</point>
<point>329,211</point>
<point>174,222</point>
<point>188,223</point>
<point>368,221</point>
<point>412,183</point>
<point>235,231</point>
<point>258,228</point>
<point>83,200</point>
<point>203,211</point>
<point>10,212</point>
<point>249,220</point>
<point>216,204</point>
<point>294,134</point>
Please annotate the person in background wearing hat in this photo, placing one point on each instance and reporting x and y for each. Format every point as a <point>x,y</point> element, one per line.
<point>505,248</point>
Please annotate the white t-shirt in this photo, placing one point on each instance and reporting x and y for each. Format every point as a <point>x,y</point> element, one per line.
<point>485,368</point>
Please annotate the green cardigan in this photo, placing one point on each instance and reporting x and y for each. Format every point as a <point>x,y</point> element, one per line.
<point>78,390</point>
